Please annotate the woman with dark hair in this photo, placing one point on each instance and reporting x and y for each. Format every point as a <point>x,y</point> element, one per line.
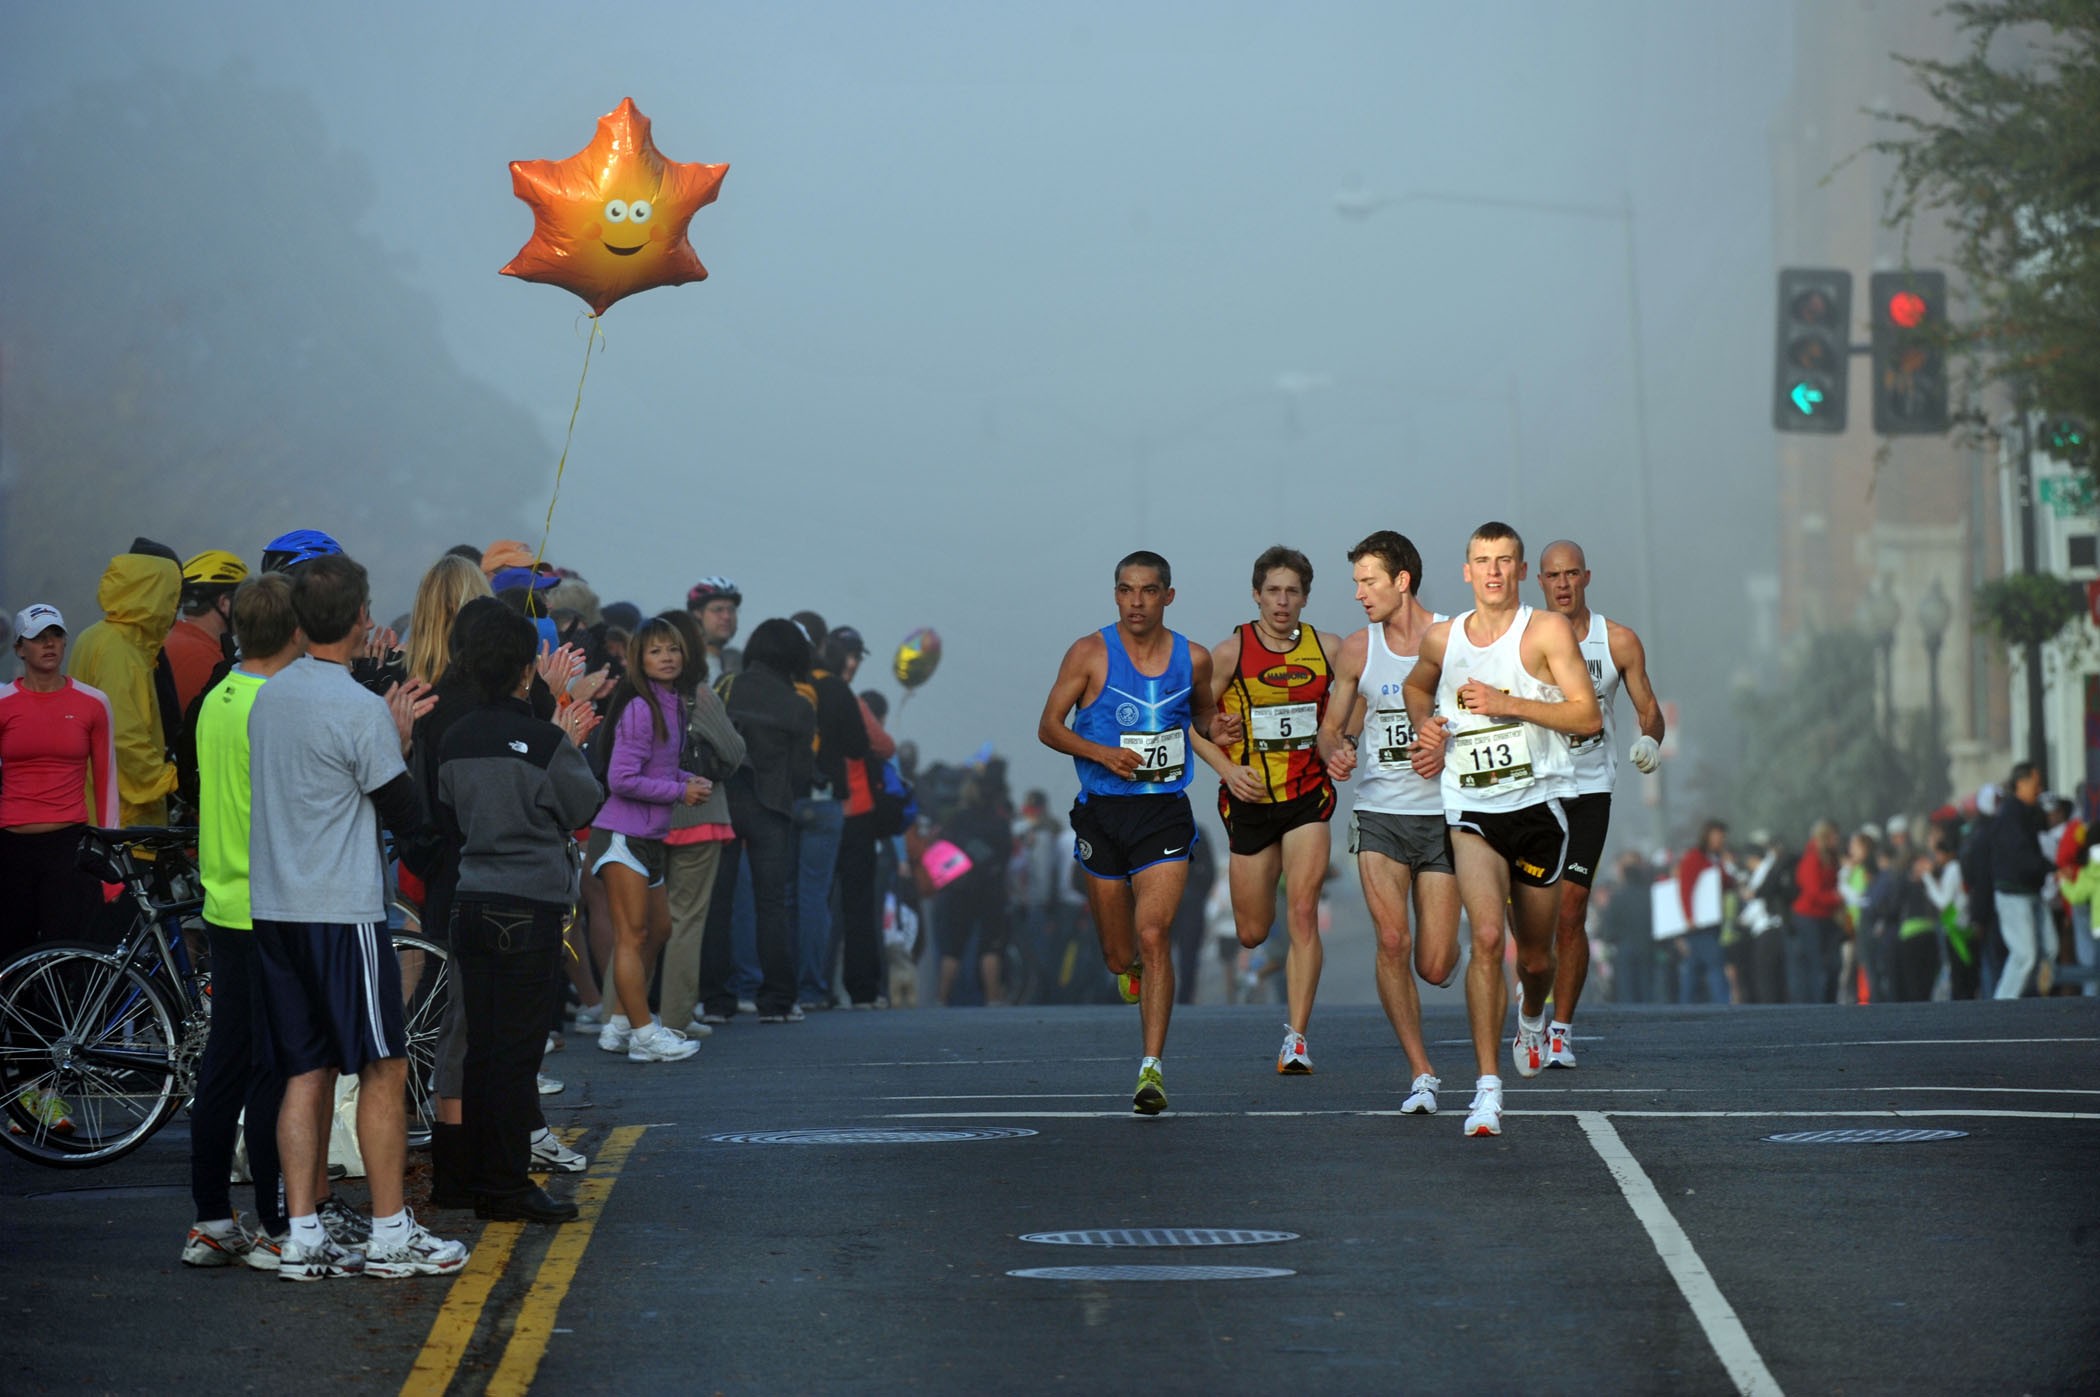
<point>776,723</point>
<point>646,782</point>
<point>693,847</point>
<point>511,787</point>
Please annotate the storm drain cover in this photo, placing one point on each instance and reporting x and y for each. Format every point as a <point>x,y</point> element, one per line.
<point>1152,1273</point>
<point>1160,1237</point>
<point>1864,1137</point>
<point>870,1136</point>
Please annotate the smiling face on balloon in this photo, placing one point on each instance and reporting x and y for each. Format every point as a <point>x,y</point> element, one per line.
<point>611,219</point>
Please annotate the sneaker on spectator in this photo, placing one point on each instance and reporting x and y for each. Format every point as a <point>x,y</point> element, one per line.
<point>711,1017</point>
<point>655,1043</point>
<point>591,1015</point>
<point>613,1038</point>
<point>548,1152</point>
<point>1560,1047</point>
<point>416,1253</point>
<point>555,1044</point>
<point>549,1086</point>
<point>747,1006</point>
<point>1421,1097</point>
<point>326,1262</point>
<point>792,1014</point>
<point>1484,1117</point>
<point>267,1252</point>
<point>345,1226</point>
<point>202,1248</point>
<point>698,1029</point>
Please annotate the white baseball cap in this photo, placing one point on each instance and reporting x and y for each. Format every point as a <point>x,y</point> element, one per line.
<point>33,620</point>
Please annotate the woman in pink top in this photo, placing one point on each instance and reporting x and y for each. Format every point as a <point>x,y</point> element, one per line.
<point>54,736</point>
<point>644,782</point>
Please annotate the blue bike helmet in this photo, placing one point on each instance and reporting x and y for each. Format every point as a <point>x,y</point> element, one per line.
<point>287,551</point>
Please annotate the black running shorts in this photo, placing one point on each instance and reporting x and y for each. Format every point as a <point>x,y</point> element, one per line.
<point>1589,817</point>
<point>331,995</point>
<point>1252,826</point>
<point>1121,835</point>
<point>1532,840</point>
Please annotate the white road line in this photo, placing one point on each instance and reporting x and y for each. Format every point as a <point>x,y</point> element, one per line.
<point>1013,1096</point>
<point>1887,1113</point>
<point>1918,1042</point>
<point>1731,1342</point>
<point>979,1062</point>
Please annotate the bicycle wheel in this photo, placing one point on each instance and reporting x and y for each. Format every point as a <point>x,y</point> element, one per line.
<point>426,986</point>
<point>88,1050</point>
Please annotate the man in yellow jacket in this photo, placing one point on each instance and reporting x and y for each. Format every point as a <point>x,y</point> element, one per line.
<point>138,594</point>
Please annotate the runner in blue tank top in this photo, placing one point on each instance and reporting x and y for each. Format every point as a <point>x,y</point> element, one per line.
<point>1142,696</point>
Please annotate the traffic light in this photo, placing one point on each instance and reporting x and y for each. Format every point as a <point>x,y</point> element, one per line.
<point>1910,360</point>
<point>1815,327</point>
<point>2068,440</point>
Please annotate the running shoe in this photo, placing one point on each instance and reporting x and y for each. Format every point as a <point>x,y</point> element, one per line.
<point>1130,983</point>
<point>591,1015</point>
<point>345,1226</point>
<point>655,1043</point>
<point>613,1038</point>
<point>1291,1058</point>
<point>1529,1048</point>
<point>326,1262</point>
<point>699,1028</point>
<point>548,1152</point>
<point>555,1044</point>
<point>415,1253</point>
<point>1484,1117</point>
<point>1421,1097</point>
<point>550,1086</point>
<point>201,1248</point>
<point>47,1109</point>
<point>1560,1047</point>
<point>267,1253</point>
<point>792,1014</point>
<point>1151,1096</point>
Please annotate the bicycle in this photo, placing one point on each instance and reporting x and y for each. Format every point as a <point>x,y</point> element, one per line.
<point>99,1046</point>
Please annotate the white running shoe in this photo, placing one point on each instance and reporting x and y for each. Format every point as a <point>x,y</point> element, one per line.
<point>590,1015</point>
<point>326,1262</point>
<point>1528,1048</point>
<point>697,1029</point>
<point>1421,1100</point>
<point>202,1248</point>
<point>1560,1047</point>
<point>1291,1058</point>
<point>548,1152</point>
<point>1484,1117</point>
<point>550,1086</point>
<point>416,1254</point>
<point>614,1038</point>
<point>655,1043</point>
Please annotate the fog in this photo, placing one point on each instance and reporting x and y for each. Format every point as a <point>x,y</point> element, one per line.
<point>998,294</point>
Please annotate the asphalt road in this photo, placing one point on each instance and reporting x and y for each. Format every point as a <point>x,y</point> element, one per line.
<point>1632,1231</point>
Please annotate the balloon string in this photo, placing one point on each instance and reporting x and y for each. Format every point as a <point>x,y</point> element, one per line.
<point>589,344</point>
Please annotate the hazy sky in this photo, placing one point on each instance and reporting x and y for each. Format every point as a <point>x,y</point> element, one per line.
<point>999,293</point>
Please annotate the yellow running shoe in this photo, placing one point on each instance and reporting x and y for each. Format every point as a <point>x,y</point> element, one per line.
<point>1130,983</point>
<point>48,1109</point>
<point>1151,1097</point>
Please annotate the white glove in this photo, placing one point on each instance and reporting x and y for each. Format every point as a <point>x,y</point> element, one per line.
<point>1646,754</point>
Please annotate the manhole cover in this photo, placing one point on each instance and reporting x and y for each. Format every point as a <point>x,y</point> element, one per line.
<point>850,1136</point>
<point>1151,1273</point>
<point>1864,1137</point>
<point>1160,1237</point>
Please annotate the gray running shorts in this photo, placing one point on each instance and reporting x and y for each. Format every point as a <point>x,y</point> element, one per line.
<point>1422,842</point>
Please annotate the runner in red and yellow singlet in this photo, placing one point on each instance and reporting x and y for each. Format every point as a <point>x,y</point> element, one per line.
<point>1272,674</point>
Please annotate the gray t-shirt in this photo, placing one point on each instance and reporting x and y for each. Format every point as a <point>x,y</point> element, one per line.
<point>318,744</point>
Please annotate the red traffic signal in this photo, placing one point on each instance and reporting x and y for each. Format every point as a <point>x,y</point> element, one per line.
<point>1910,363</point>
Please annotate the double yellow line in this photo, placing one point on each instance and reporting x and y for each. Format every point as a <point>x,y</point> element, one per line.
<point>453,1331</point>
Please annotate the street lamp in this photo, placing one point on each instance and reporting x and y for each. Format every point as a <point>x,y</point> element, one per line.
<point>1881,612</point>
<point>1933,617</point>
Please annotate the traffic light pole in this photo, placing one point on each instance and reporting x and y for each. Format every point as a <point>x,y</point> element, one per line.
<point>2023,491</point>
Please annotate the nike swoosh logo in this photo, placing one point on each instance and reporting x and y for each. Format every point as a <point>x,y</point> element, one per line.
<point>1168,853</point>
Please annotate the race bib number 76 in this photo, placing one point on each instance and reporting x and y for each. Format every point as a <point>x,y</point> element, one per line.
<point>1162,756</point>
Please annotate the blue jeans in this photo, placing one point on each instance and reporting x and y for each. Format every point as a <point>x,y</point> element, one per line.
<point>821,822</point>
<point>1702,968</point>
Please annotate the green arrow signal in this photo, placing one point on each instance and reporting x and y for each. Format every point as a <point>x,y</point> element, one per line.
<point>1805,398</point>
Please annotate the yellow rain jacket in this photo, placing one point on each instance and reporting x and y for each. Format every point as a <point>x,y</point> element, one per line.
<point>139,593</point>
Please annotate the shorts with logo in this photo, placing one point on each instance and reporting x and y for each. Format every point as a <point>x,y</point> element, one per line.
<point>331,995</point>
<point>631,851</point>
<point>1253,825</point>
<point>1589,817</point>
<point>1422,842</point>
<point>1122,835</point>
<point>1533,839</point>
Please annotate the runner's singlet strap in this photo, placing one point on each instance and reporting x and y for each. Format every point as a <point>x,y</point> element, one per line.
<point>1386,782</point>
<point>1597,756</point>
<point>1145,713</point>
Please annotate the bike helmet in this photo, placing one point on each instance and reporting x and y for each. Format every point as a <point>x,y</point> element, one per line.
<point>709,589</point>
<point>214,567</point>
<point>299,546</point>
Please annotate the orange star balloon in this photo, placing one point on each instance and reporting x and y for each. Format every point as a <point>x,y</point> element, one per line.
<point>611,219</point>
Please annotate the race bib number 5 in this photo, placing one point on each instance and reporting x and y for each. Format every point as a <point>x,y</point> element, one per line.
<point>1492,757</point>
<point>1283,727</point>
<point>1162,756</point>
<point>1392,738</point>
